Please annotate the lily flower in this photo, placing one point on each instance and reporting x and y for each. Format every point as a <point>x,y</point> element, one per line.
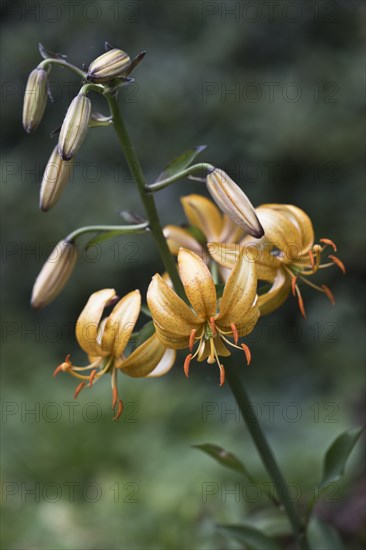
<point>209,322</point>
<point>285,255</point>
<point>203,215</point>
<point>105,342</point>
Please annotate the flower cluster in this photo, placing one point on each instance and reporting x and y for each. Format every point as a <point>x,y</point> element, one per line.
<point>223,257</point>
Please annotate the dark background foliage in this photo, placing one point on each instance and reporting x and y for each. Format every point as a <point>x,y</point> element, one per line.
<point>276,90</point>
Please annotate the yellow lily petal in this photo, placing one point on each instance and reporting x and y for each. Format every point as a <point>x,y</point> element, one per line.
<point>146,358</point>
<point>231,232</point>
<point>233,201</point>
<point>276,296</point>
<point>198,283</point>
<point>300,219</point>
<point>225,255</point>
<point>171,314</point>
<point>88,322</point>
<point>205,350</point>
<point>203,214</point>
<point>280,231</point>
<point>120,324</point>
<point>171,339</point>
<point>178,237</point>
<point>239,292</point>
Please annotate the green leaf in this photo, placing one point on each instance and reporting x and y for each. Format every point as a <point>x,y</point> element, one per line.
<point>322,536</point>
<point>181,162</point>
<point>219,289</point>
<point>337,455</point>
<point>271,521</point>
<point>251,537</point>
<point>225,458</point>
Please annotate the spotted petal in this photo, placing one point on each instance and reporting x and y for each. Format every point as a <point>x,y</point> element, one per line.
<point>281,231</point>
<point>277,294</point>
<point>177,237</point>
<point>148,357</point>
<point>198,283</point>
<point>88,322</point>
<point>120,324</point>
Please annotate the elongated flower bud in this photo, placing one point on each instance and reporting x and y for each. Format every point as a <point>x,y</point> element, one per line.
<point>56,176</point>
<point>110,65</point>
<point>74,126</point>
<point>35,99</point>
<point>54,274</point>
<point>233,201</point>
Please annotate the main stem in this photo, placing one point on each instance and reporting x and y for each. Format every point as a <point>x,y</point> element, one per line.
<point>265,452</point>
<point>148,200</point>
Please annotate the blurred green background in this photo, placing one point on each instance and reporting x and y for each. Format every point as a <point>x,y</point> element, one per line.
<point>276,91</point>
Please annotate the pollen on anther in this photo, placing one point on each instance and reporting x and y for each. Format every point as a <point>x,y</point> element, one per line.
<point>330,242</point>
<point>191,339</point>
<point>212,326</point>
<point>247,352</point>
<point>293,285</point>
<point>329,294</point>
<point>78,389</point>
<point>119,410</point>
<point>187,362</point>
<point>222,374</point>
<point>235,332</point>
<point>338,263</point>
<point>301,305</point>
<point>312,261</point>
<point>92,376</point>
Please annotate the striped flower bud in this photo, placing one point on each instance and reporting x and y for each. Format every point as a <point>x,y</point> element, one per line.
<point>74,126</point>
<point>233,201</point>
<point>56,176</point>
<point>54,274</point>
<point>35,99</point>
<point>110,65</point>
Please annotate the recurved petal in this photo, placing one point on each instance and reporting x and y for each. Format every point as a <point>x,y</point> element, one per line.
<point>203,214</point>
<point>120,323</point>
<point>281,230</point>
<point>150,355</point>
<point>239,292</point>
<point>277,294</point>
<point>88,322</point>
<point>165,364</point>
<point>225,255</point>
<point>231,232</point>
<point>178,237</point>
<point>172,316</point>
<point>198,283</point>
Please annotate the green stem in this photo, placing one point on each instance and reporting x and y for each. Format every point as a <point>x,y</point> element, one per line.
<point>157,186</point>
<point>122,229</point>
<point>148,200</point>
<point>44,65</point>
<point>265,452</point>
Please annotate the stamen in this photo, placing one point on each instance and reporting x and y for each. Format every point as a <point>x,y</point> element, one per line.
<point>300,302</point>
<point>247,352</point>
<point>78,389</point>
<point>311,256</point>
<point>212,326</point>
<point>119,410</point>
<point>293,284</point>
<point>330,243</point>
<point>235,332</point>
<point>58,369</point>
<point>338,263</point>
<point>222,374</point>
<point>92,376</point>
<point>329,294</point>
<point>191,339</point>
<point>187,362</point>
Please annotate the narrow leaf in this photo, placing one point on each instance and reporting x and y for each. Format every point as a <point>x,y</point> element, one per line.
<point>337,455</point>
<point>322,536</point>
<point>251,537</point>
<point>181,162</point>
<point>225,458</point>
<point>47,54</point>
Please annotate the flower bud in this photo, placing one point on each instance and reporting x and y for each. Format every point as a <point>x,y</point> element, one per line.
<point>54,274</point>
<point>74,126</point>
<point>56,175</point>
<point>35,99</point>
<point>233,201</point>
<point>108,66</point>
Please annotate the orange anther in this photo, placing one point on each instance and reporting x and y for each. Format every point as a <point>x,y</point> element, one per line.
<point>312,261</point>
<point>212,325</point>
<point>78,389</point>
<point>247,352</point>
<point>187,362</point>
<point>338,263</point>
<point>330,243</point>
<point>114,396</point>
<point>119,410</point>
<point>58,369</point>
<point>191,339</point>
<point>328,293</point>
<point>293,285</point>
<point>92,376</point>
<point>235,332</point>
<point>301,305</point>
<point>222,374</point>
